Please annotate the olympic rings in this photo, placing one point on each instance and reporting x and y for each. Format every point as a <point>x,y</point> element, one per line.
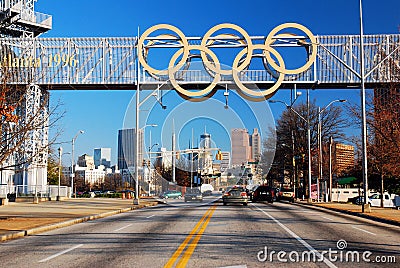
<point>172,70</point>
<point>269,41</point>
<point>155,28</point>
<point>227,26</point>
<point>211,62</point>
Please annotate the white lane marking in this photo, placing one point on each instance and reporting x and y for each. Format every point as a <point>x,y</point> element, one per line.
<point>298,238</point>
<point>61,253</point>
<point>235,266</point>
<point>150,217</point>
<point>329,219</point>
<point>365,231</point>
<point>122,228</point>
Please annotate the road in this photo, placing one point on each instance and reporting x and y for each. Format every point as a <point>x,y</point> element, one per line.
<point>210,235</point>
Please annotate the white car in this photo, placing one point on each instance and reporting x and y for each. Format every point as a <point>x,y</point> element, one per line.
<point>389,201</point>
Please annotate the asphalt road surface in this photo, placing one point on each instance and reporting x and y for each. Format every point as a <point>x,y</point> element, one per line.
<point>182,234</point>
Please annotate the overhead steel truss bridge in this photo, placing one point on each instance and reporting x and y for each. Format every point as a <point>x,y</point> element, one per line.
<point>112,63</point>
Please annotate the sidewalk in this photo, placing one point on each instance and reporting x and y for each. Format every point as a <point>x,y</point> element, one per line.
<point>386,215</point>
<point>19,219</point>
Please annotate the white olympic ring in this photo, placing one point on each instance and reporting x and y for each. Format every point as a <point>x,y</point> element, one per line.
<point>213,66</point>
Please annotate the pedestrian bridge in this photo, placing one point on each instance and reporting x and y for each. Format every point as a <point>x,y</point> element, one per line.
<point>112,63</point>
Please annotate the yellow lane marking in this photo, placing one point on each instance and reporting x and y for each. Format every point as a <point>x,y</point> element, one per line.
<point>205,219</point>
<point>189,251</point>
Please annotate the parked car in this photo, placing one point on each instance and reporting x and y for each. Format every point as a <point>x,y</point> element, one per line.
<point>108,192</point>
<point>263,193</point>
<point>286,194</point>
<point>389,201</point>
<point>193,194</point>
<point>358,200</point>
<point>171,194</point>
<point>235,195</point>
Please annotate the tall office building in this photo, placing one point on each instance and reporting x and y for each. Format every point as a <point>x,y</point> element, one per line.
<point>126,148</point>
<point>102,156</point>
<point>240,143</point>
<point>245,147</point>
<point>343,158</point>
<point>206,157</point>
<point>225,162</point>
<point>255,143</point>
<point>86,161</point>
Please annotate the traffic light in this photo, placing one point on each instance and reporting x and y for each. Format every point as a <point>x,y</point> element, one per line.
<point>177,155</point>
<point>144,162</point>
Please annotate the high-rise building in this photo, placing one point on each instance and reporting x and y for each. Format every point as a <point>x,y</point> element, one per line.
<point>245,147</point>
<point>240,143</point>
<point>255,143</point>
<point>343,158</point>
<point>86,161</point>
<point>206,160</point>
<point>225,162</point>
<point>102,156</point>
<point>126,148</point>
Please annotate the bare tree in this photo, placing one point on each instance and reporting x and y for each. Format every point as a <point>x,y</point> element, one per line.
<point>25,118</point>
<point>291,138</point>
<point>383,139</point>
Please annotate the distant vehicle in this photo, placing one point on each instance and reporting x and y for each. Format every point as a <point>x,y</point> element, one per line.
<point>171,194</point>
<point>263,193</point>
<point>108,192</point>
<point>389,201</point>
<point>206,187</point>
<point>358,200</point>
<point>97,193</point>
<point>235,195</point>
<point>193,194</point>
<point>286,194</point>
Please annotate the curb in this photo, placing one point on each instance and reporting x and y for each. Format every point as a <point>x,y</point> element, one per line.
<point>355,214</point>
<point>50,227</point>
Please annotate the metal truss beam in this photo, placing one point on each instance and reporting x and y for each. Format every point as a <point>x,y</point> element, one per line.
<point>110,63</point>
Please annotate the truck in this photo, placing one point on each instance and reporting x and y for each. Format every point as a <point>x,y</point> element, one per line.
<point>389,200</point>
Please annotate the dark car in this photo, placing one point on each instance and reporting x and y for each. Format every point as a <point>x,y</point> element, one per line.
<point>235,195</point>
<point>263,193</point>
<point>193,194</point>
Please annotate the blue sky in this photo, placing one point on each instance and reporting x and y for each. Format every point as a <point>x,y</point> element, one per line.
<point>101,113</point>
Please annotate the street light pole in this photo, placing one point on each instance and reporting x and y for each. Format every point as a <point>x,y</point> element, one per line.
<point>72,161</point>
<point>320,162</point>
<point>150,148</point>
<point>330,168</point>
<point>59,173</point>
<point>308,137</point>
<point>364,116</point>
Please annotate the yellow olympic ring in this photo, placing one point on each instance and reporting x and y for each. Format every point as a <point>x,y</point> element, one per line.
<point>155,28</point>
<point>211,62</point>
<point>147,48</point>
<point>236,69</point>
<point>269,41</point>
<point>172,68</point>
<point>227,26</point>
